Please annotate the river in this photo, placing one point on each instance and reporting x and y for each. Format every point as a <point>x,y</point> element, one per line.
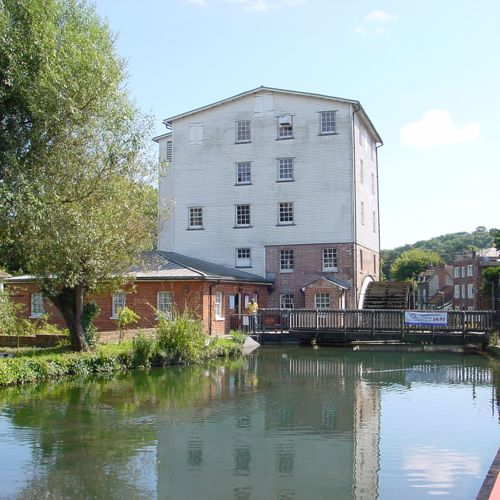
<point>282,423</point>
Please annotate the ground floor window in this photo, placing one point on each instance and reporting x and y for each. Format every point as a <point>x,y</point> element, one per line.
<point>218,305</point>
<point>164,304</point>
<point>286,301</point>
<point>118,304</point>
<point>321,300</point>
<point>37,305</point>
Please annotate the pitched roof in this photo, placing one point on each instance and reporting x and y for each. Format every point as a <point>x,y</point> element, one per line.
<point>333,280</point>
<point>157,265</point>
<point>262,88</point>
<point>170,265</point>
<point>3,274</point>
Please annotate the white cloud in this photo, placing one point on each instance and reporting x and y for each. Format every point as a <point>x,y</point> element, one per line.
<point>251,5</point>
<point>374,22</point>
<point>437,128</point>
<point>379,16</point>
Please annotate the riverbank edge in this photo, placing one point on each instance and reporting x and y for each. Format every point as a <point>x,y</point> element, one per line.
<point>39,366</point>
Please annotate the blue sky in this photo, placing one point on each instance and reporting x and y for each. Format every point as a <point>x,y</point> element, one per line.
<point>427,72</point>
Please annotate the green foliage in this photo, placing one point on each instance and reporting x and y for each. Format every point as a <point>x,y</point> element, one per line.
<point>238,336</point>
<point>126,317</point>
<point>90,312</point>
<point>413,262</point>
<point>495,234</point>
<point>75,156</point>
<point>181,340</point>
<point>447,246</point>
<point>491,284</point>
<point>9,323</point>
<point>143,350</point>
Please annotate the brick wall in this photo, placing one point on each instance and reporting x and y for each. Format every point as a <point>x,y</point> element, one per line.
<point>308,265</point>
<point>142,298</point>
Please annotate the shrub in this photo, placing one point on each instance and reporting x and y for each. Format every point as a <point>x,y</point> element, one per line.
<point>181,340</point>
<point>90,312</point>
<point>238,336</point>
<point>126,317</point>
<point>143,349</point>
<point>9,323</point>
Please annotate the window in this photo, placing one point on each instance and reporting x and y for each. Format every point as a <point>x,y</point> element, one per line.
<point>373,183</point>
<point>470,291</point>
<point>218,305</point>
<point>329,259</point>
<point>285,169</point>
<point>164,304</point>
<point>196,133</point>
<point>374,222</point>
<point>243,172</point>
<point>321,300</point>
<point>361,171</point>
<point>242,215</point>
<point>243,257</point>
<point>463,292</point>
<point>361,259</point>
<point>362,213</point>
<point>195,218</point>
<point>285,127</point>
<point>463,271</point>
<point>118,304</point>
<point>470,270</point>
<point>285,213</point>
<point>456,272</point>
<point>456,293</point>
<point>286,261</point>
<point>169,153</point>
<point>374,264</point>
<point>286,301</point>
<point>37,305</point>
<point>243,131</point>
<point>327,122</point>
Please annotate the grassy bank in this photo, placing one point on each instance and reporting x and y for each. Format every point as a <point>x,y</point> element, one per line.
<point>175,342</point>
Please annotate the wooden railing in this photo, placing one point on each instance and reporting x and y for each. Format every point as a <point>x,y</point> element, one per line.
<point>359,320</point>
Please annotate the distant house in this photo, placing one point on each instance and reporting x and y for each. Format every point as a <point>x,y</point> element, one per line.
<point>279,183</point>
<point>164,282</point>
<point>434,287</point>
<point>467,269</point>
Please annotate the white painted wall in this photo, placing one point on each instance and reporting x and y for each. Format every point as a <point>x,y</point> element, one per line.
<point>204,175</point>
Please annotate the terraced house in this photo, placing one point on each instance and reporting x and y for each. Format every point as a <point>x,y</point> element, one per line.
<point>280,184</point>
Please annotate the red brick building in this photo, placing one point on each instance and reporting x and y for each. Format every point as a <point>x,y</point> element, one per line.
<point>164,282</point>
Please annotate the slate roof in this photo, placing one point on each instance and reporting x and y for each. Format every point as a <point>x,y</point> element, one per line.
<point>345,284</point>
<point>157,265</point>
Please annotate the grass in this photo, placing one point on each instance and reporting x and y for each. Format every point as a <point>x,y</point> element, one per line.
<point>176,342</point>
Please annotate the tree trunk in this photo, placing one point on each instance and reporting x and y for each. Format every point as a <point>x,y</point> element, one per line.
<point>70,304</point>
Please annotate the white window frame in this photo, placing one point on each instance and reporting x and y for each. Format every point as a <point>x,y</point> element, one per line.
<point>118,301</point>
<point>218,306</point>
<point>470,270</point>
<point>242,215</point>
<point>322,300</point>
<point>286,260</point>
<point>330,259</point>
<point>456,292</point>
<point>463,272</point>
<point>285,127</point>
<point>196,133</point>
<point>286,216</point>
<point>243,131</point>
<point>169,152</point>
<point>37,309</point>
<point>361,171</point>
<point>243,171</point>
<point>374,222</point>
<point>327,122</point>
<point>362,213</point>
<point>463,292</point>
<point>373,183</point>
<point>286,301</point>
<point>243,257</point>
<point>165,303</point>
<point>285,169</point>
<point>470,291</point>
<point>195,215</point>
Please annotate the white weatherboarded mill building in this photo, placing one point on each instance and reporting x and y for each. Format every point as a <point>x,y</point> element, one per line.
<point>282,184</point>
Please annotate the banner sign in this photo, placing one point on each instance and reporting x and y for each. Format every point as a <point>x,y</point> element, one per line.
<point>426,318</point>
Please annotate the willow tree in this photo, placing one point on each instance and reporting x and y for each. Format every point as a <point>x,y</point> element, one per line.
<point>73,153</point>
<point>412,262</point>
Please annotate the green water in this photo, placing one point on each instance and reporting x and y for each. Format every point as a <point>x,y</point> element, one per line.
<point>284,423</point>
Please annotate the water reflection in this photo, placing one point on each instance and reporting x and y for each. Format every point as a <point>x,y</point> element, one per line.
<point>282,423</point>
